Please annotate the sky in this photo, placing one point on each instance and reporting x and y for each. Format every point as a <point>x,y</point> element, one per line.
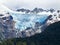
<point>30,4</point>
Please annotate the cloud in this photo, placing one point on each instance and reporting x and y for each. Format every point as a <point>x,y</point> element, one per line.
<point>30,4</point>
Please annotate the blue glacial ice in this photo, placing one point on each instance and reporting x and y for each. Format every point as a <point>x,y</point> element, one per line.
<point>24,21</point>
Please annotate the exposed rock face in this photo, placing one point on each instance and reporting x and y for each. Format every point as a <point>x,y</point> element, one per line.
<point>7,26</point>
<point>36,10</point>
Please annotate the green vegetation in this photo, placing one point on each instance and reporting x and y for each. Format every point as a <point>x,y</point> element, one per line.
<point>51,36</point>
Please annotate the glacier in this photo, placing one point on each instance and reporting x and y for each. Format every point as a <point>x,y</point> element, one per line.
<point>24,21</point>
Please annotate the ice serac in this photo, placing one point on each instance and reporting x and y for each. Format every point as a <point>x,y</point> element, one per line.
<point>24,21</point>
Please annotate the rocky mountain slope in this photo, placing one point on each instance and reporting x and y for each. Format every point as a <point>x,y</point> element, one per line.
<point>15,24</point>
